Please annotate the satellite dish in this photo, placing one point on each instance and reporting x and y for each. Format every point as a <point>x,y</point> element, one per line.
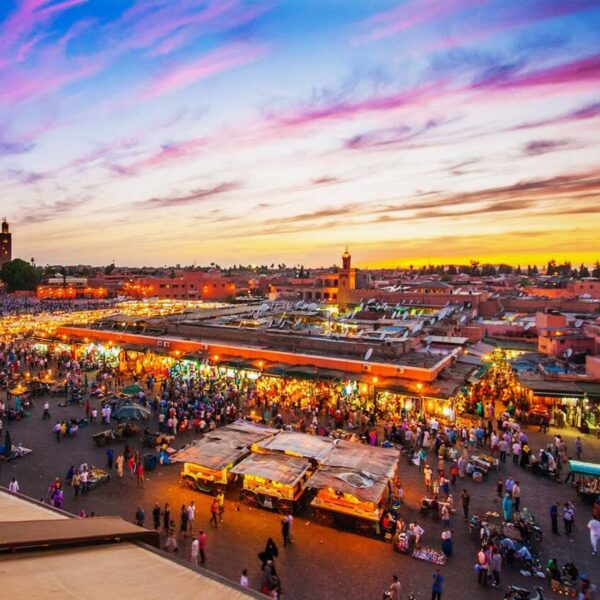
<point>312,306</point>
<point>568,352</point>
<point>578,323</point>
<point>264,307</point>
<point>368,353</point>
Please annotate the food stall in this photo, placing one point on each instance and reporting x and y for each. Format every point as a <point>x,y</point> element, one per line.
<point>484,463</point>
<point>587,479</point>
<point>96,475</point>
<point>274,481</point>
<point>353,486</point>
<point>207,462</point>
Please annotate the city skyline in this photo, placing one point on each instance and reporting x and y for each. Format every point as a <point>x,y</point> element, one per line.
<point>417,132</point>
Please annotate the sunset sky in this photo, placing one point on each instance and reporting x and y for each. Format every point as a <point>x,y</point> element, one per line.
<point>157,132</point>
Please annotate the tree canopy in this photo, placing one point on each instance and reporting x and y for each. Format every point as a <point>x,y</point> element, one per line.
<point>20,275</point>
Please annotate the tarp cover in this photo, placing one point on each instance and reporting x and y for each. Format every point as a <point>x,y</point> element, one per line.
<point>379,462</point>
<point>302,444</point>
<point>276,467</point>
<point>364,486</point>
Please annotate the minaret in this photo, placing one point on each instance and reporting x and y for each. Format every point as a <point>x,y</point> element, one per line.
<point>346,280</point>
<point>5,243</point>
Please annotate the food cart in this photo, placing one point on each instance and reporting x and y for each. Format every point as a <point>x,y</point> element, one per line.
<point>207,462</point>
<point>354,484</point>
<point>587,480</point>
<point>96,475</point>
<point>274,481</point>
<point>484,463</point>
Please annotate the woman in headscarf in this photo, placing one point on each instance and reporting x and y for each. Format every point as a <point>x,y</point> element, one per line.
<point>507,507</point>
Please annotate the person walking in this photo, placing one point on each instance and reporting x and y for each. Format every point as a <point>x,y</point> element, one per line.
<point>131,466</point>
<point>139,471</point>
<point>507,507</point>
<point>436,587</point>
<point>171,543</point>
<point>140,516</point>
<point>594,527</point>
<point>214,513</point>
<point>57,429</point>
<point>166,515</point>
<point>427,474</point>
<point>110,456</point>
<point>183,517</point>
<point>13,486</point>
<point>554,518</point>
<point>202,546</point>
<point>156,516</point>
<point>496,567</point>
<point>244,579</point>
<point>568,517</point>
<point>465,501</point>
<point>46,414</point>
<point>395,589</point>
<point>516,496</point>
<point>191,512</point>
<point>221,502</point>
<point>76,483</point>
<point>84,478</point>
<point>285,530</point>
<point>195,552</point>
<point>578,448</point>
<point>482,567</point>
<point>120,465</point>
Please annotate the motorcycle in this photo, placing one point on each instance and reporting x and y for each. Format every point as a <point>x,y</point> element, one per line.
<point>514,592</point>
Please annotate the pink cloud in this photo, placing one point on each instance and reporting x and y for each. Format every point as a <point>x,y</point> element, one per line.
<point>26,18</point>
<point>409,15</point>
<point>573,73</point>
<point>531,14</point>
<point>207,65</point>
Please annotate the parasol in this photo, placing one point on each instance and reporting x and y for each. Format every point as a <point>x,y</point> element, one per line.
<point>132,411</point>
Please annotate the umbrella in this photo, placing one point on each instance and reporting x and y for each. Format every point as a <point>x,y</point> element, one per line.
<point>132,411</point>
<point>7,445</point>
<point>132,389</point>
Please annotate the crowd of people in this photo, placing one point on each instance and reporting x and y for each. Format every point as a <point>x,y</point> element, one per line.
<point>190,401</point>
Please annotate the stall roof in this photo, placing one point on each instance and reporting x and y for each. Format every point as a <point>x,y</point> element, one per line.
<point>373,460</point>
<point>299,444</point>
<point>584,468</point>
<point>276,467</point>
<point>223,446</point>
<point>362,485</point>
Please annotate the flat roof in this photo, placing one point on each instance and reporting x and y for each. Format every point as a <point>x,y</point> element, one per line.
<point>100,572</point>
<point>14,507</point>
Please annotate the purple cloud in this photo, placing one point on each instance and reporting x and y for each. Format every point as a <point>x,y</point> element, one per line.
<point>537,147</point>
<point>193,197</point>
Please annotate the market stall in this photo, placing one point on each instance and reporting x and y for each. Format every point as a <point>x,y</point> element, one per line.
<point>207,462</point>
<point>353,484</point>
<point>274,481</point>
<point>587,479</point>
